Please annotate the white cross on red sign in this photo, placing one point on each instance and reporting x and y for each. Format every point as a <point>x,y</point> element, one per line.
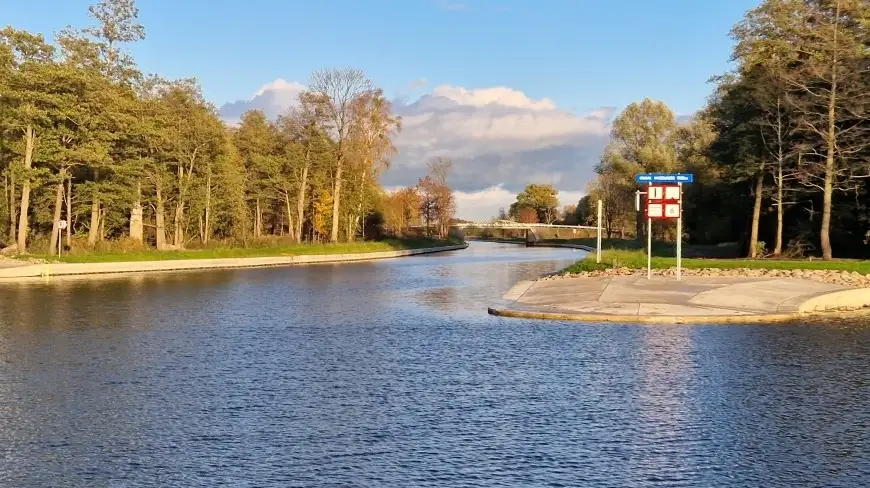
<point>663,202</point>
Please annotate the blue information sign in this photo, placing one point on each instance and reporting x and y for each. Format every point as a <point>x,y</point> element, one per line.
<point>664,178</point>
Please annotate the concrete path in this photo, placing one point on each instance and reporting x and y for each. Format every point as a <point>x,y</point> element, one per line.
<point>10,263</point>
<point>46,271</point>
<point>666,300</point>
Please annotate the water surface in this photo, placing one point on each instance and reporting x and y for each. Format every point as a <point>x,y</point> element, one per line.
<point>391,374</point>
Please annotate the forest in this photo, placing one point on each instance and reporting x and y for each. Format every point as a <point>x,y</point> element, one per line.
<point>781,151</point>
<point>132,160</point>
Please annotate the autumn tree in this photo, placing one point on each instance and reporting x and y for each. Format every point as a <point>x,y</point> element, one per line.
<point>402,210</point>
<point>371,151</point>
<point>542,198</point>
<point>527,215</point>
<point>339,90</point>
<point>440,169</point>
<point>305,146</point>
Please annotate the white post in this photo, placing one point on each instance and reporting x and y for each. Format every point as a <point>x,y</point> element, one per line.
<point>680,237</point>
<point>598,257</point>
<point>649,248</point>
<point>648,238</point>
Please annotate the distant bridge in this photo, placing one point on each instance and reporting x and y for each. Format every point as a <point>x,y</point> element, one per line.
<point>510,224</point>
<point>530,231</point>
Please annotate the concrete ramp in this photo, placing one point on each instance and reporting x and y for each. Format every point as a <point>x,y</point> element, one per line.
<point>665,300</point>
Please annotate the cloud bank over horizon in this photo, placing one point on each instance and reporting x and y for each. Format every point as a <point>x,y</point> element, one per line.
<point>499,139</point>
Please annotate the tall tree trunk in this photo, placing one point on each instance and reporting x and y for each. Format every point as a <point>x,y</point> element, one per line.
<point>103,212</point>
<point>6,198</point>
<point>137,224</point>
<point>780,161</point>
<point>178,237</point>
<point>94,230</point>
<point>13,215</point>
<point>258,224</point>
<point>300,202</point>
<point>206,233</point>
<point>825,232</point>
<point>777,250</point>
<point>55,226</point>
<point>160,220</point>
<point>68,199</point>
<point>291,229</point>
<point>29,142</point>
<point>350,232</point>
<point>336,196</point>
<point>756,213</point>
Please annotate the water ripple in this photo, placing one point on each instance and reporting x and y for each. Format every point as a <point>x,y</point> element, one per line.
<point>390,374</point>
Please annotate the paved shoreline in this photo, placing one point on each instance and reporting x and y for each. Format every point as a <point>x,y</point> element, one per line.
<point>702,299</point>
<point>35,272</point>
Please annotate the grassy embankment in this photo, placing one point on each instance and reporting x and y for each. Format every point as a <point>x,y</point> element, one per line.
<point>263,249</point>
<point>663,258</point>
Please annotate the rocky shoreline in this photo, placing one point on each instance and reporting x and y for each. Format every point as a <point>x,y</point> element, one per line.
<point>851,279</point>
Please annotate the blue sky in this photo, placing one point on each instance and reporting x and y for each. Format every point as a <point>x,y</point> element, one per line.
<point>516,91</point>
<point>580,53</point>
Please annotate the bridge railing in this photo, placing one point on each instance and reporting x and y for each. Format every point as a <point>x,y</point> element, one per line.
<point>517,225</point>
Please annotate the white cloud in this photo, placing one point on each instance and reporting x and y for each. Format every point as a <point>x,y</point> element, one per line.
<point>500,95</point>
<point>499,138</point>
<point>272,98</point>
<point>570,198</point>
<point>484,204</point>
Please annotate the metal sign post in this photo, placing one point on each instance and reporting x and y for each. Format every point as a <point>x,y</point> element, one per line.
<point>648,235</point>
<point>637,195</point>
<point>598,256</point>
<point>62,226</point>
<point>680,237</point>
<point>664,201</point>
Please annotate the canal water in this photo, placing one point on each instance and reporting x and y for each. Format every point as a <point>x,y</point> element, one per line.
<point>391,374</point>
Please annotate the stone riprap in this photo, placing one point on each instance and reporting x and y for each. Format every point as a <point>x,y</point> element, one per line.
<point>852,279</point>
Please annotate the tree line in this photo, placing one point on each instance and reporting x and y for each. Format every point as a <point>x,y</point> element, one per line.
<point>781,151</point>
<point>429,205</point>
<point>87,138</point>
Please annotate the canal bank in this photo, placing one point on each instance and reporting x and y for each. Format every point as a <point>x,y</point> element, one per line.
<point>663,300</point>
<point>33,272</point>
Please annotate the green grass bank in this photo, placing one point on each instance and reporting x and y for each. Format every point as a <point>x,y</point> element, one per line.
<point>637,259</point>
<point>257,251</point>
